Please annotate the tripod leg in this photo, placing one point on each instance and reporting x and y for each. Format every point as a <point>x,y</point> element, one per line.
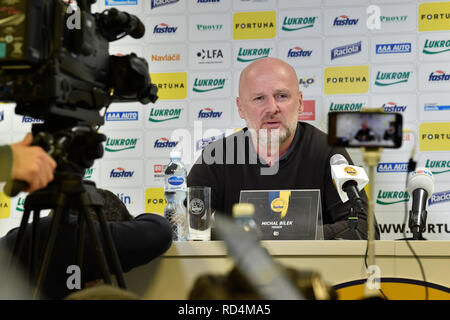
<point>80,242</point>
<point>56,221</point>
<point>111,249</point>
<point>35,246</point>
<point>95,239</point>
<point>20,240</point>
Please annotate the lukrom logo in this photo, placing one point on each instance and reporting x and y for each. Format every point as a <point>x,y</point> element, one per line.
<point>298,23</point>
<point>346,106</point>
<point>443,165</point>
<point>169,85</point>
<point>247,55</point>
<point>120,144</point>
<point>392,197</point>
<point>436,46</point>
<point>391,78</point>
<point>206,85</point>
<point>160,115</point>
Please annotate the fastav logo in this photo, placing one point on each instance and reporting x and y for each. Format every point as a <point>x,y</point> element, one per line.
<point>439,197</point>
<point>391,48</point>
<point>163,28</point>
<point>298,52</point>
<point>252,54</point>
<point>209,113</point>
<point>346,50</point>
<point>159,3</point>
<point>298,23</point>
<point>436,46</point>
<point>390,167</point>
<point>163,143</point>
<point>438,166</point>
<point>438,76</point>
<point>393,107</point>
<point>122,116</point>
<point>121,173</point>
<point>344,20</point>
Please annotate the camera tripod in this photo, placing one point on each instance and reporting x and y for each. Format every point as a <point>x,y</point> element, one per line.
<point>67,191</point>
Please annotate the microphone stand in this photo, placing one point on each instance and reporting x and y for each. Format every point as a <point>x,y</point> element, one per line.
<point>371,156</point>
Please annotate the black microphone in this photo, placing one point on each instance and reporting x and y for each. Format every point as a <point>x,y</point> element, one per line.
<point>420,186</point>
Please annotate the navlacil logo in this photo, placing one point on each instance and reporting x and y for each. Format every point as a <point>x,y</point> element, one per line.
<point>27,119</point>
<point>122,116</point>
<point>163,143</point>
<point>393,107</point>
<point>121,173</point>
<point>390,48</point>
<point>391,167</point>
<point>438,76</point>
<point>164,28</point>
<point>346,50</point>
<point>344,20</point>
<point>298,52</point>
<point>160,3</point>
<point>121,2</point>
<point>439,197</point>
<point>209,113</point>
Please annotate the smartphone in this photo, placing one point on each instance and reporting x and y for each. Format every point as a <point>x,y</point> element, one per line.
<point>365,129</point>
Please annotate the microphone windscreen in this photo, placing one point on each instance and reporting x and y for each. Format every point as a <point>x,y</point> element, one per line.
<point>422,178</point>
<point>338,159</point>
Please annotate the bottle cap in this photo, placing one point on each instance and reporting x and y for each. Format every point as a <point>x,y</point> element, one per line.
<point>175,154</point>
<point>243,209</point>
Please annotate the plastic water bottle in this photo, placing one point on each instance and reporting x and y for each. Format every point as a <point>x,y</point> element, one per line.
<point>175,194</point>
<point>243,217</point>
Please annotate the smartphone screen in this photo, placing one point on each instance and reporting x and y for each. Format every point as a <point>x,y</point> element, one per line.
<point>365,129</point>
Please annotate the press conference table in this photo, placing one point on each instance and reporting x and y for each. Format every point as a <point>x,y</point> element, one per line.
<point>339,262</point>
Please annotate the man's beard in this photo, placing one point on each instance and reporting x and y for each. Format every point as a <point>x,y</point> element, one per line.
<point>272,139</point>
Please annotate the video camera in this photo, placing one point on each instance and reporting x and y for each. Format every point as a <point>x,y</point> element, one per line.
<point>54,60</point>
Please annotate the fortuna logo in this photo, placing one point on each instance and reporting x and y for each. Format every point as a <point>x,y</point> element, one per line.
<point>435,16</point>
<point>27,119</point>
<point>344,20</point>
<point>294,24</point>
<point>391,78</point>
<point>116,145</point>
<point>209,27</point>
<point>120,173</point>
<point>170,85</point>
<point>443,165</point>
<point>253,25</point>
<point>160,3</point>
<point>393,107</point>
<point>346,50</point>
<point>297,52</point>
<point>214,84</point>
<point>391,197</point>
<point>162,143</point>
<point>122,116</point>
<point>208,113</point>
<point>436,136</point>
<point>438,75</point>
<point>392,167</point>
<point>164,114</point>
<point>247,55</point>
<point>389,48</point>
<point>346,106</point>
<point>440,46</point>
<point>443,196</point>
<point>346,79</point>
<point>164,28</point>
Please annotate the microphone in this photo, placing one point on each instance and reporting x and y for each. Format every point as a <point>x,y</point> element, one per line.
<point>117,23</point>
<point>420,186</point>
<point>348,180</point>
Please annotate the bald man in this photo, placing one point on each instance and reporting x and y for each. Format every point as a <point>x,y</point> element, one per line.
<point>275,151</point>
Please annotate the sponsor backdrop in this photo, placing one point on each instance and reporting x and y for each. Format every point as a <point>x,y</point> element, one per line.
<point>348,54</point>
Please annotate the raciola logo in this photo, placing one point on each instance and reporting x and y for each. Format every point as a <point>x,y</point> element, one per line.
<point>346,50</point>
<point>160,3</point>
<point>443,196</point>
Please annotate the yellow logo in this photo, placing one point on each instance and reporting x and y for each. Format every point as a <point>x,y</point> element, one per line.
<point>254,25</point>
<point>434,136</point>
<point>155,202</point>
<point>171,86</point>
<point>351,171</point>
<point>434,16</point>
<point>5,206</point>
<point>277,205</point>
<point>346,80</point>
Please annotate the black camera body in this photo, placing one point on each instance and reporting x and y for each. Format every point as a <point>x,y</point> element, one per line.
<point>55,62</point>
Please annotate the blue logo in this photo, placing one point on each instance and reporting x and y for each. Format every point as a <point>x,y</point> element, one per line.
<point>388,48</point>
<point>163,143</point>
<point>122,116</point>
<point>124,198</point>
<point>436,107</point>
<point>346,50</point>
<point>120,173</point>
<point>2,115</point>
<point>298,52</point>
<point>202,143</point>
<point>121,2</point>
<point>443,196</point>
<point>209,113</point>
<point>27,119</point>
<point>384,167</point>
<point>344,20</point>
<point>175,180</point>
<point>438,76</point>
<point>208,1</point>
<point>164,28</point>
<point>160,3</point>
<point>393,107</point>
